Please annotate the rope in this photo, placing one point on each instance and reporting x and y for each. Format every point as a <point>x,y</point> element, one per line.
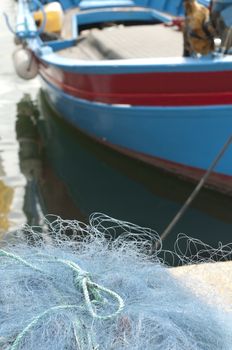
<point>197,189</point>
<point>9,26</point>
<point>81,281</point>
<point>18,258</point>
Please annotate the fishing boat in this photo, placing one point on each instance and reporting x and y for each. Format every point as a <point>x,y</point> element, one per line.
<point>115,70</point>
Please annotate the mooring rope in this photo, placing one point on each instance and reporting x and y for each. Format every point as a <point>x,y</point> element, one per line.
<point>192,196</point>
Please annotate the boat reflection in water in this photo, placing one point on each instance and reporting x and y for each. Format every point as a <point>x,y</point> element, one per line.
<point>70,175</point>
<point>6,197</point>
<point>44,192</point>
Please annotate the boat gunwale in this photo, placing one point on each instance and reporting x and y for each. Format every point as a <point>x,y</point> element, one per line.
<point>137,65</point>
<point>45,53</point>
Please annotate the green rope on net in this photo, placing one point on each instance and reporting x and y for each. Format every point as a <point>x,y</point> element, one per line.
<point>82,279</point>
<point>19,259</point>
<point>91,291</point>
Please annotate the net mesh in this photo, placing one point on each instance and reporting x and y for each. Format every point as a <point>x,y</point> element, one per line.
<point>70,285</point>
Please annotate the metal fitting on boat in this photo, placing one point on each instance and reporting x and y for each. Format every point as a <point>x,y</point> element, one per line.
<point>217,46</point>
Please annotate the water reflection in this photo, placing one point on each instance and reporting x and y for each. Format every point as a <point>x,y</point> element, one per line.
<point>44,192</point>
<point>6,196</point>
<point>29,156</point>
<point>72,176</point>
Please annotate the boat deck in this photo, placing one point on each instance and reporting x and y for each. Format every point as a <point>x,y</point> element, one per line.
<point>124,42</point>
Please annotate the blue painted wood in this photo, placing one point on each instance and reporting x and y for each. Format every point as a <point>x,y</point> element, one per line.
<point>84,18</point>
<point>205,2</point>
<point>176,64</point>
<point>25,27</point>
<point>88,4</point>
<point>61,44</point>
<point>175,7</point>
<point>168,133</point>
<point>121,66</point>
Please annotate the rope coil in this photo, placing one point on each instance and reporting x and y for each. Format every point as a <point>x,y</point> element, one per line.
<point>81,281</point>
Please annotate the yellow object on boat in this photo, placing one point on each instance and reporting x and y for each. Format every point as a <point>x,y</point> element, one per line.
<point>54,17</point>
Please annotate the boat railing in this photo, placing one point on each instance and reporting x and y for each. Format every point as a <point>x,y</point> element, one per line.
<point>119,15</point>
<point>95,4</point>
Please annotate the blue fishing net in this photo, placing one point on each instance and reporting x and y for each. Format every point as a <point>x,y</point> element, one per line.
<point>68,285</point>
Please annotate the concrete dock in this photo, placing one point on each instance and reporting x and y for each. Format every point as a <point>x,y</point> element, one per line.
<point>212,282</point>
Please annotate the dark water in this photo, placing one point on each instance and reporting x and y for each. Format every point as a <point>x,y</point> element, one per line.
<point>47,167</point>
<point>70,175</point>
<point>12,182</point>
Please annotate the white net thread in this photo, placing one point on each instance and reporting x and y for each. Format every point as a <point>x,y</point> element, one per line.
<point>70,285</point>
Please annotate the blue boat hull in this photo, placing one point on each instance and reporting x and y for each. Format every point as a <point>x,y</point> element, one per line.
<point>173,112</point>
<point>183,140</point>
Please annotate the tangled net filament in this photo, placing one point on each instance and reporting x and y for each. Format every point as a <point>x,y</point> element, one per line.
<point>68,285</point>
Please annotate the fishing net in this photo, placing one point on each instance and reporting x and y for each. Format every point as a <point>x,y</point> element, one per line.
<point>67,285</point>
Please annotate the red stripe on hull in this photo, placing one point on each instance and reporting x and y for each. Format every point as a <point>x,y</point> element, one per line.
<point>218,182</point>
<point>145,89</point>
